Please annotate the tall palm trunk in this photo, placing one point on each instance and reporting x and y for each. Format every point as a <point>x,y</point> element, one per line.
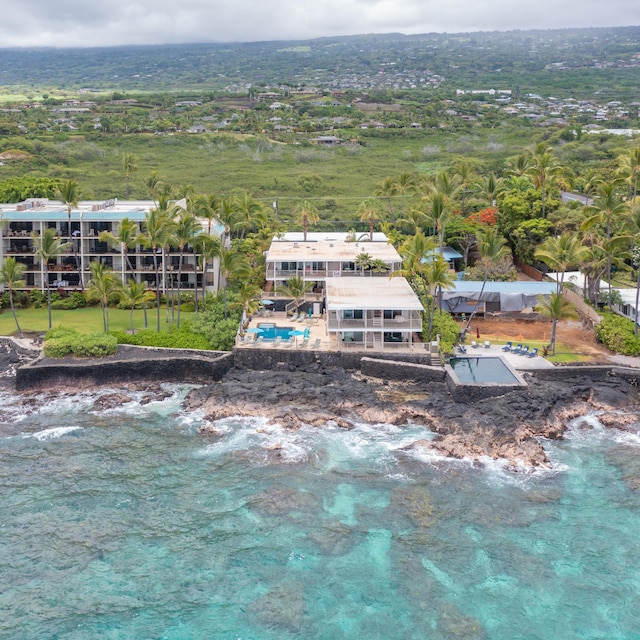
<point>637,299</point>
<point>155,268</point>
<point>13,311</point>
<point>46,275</point>
<point>180,282</point>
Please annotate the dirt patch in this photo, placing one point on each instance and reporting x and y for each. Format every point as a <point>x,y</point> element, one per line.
<point>569,332</point>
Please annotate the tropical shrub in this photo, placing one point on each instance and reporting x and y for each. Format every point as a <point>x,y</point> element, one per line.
<point>617,333</point>
<point>446,327</point>
<point>182,338</point>
<point>74,301</point>
<point>61,342</point>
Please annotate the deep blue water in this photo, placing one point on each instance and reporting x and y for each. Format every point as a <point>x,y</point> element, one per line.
<point>129,525</point>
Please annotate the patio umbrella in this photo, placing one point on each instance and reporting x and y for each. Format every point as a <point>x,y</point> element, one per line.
<point>295,333</point>
<point>255,330</point>
<point>267,303</point>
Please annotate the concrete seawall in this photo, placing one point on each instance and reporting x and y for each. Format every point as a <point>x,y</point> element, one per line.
<point>134,364</point>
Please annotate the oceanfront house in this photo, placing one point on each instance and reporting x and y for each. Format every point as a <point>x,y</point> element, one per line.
<point>20,222</point>
<point>467,296</point>
<point>351,286</point>
<point>379,314</point>
<point>328,255</point>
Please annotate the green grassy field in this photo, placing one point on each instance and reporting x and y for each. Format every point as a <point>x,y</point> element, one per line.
<point>87,320</point>
<point>267,169</point>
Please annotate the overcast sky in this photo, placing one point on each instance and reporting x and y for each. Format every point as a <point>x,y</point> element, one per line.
<point>86,23</point>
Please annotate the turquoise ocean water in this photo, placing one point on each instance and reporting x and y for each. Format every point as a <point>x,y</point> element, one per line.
<point>127,524</point>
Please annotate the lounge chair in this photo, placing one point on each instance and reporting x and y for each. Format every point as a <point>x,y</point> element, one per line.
<point>462,348</point>
<point>316,344</point>
<point>277,341</point>
<point>524,351</point>
<point>289,342</point>
<point>533,353</point>
<point>517,348</point>
<point>487,344</point>
<point>507,347</point>
<point>294,317</point>
<point>304,344</point>
<point>258,341</point>
<point>474,344</point>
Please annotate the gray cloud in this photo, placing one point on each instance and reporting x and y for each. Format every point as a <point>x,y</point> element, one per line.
<point>83,23</point>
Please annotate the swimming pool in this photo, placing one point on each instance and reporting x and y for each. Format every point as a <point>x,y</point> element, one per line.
<point>483,370</point>
<point>271,331</point>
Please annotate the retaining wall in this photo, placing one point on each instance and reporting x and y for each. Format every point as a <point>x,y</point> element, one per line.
<point>395,370</point>
<point>169,368</point>
<point>269,358</point>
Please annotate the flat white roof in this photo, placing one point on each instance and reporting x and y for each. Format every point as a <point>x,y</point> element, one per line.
<point>371,293</point>
<point>323,250</point>
<point>331,236</point>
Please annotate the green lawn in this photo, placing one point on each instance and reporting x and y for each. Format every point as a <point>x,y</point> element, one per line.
<point>87,320</point>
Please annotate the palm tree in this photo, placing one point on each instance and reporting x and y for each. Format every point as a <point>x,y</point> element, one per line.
<point>233,265</point>
<point>249,213</point>
<point>133,294</point>
<point>556,308</point>
<point>416,251</point>
<point>465,173</point>
<point>48,247</point>
<point>130,166</point>
<point>543,170</point>
<point>607,209</point>
<point>249,295</point>
<point>363,261</point>
<point>126,237</point>
<point>439,214</point>
<point>69,193</point>
<point>489,188</point>
<point>306,214</point>
<point>208,247</point>
<point>629,170</point>
<point>186,229</point>
<point>439,277</point>
<point>227,215</point>
<point>492,247</point>
<point>405,184</point>
<point>101,286</point>
<point>388,189</point>
<point>518,166</point>
<point>561,253</point>
<point>11,275</point>
<point>415,218</point>
<point>369,211</point>
<point>152,183</point>
<point>206,206</point>
<point>158,228</point>
<point>297,287</point>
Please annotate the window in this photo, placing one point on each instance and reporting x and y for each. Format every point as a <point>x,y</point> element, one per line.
<point>353,336</point>
<point>352,314</point>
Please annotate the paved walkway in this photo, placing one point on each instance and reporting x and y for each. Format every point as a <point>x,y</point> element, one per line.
<point>518,362</point>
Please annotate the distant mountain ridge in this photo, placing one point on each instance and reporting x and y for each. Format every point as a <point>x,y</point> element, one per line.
<point>459,58</point>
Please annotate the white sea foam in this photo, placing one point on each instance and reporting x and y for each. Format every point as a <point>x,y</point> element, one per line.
<point>52,433</point>
<point>586,430</point>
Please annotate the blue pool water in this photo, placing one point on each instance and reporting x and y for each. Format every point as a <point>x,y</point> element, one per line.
<point>271,331</point>
<point>482,370</point>
<point>126,525</point>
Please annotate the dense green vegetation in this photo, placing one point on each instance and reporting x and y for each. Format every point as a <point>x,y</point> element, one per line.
<point>421,149</point>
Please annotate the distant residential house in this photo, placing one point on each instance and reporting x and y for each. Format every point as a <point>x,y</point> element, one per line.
<point>328,141</point>
<point>197,128</point>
